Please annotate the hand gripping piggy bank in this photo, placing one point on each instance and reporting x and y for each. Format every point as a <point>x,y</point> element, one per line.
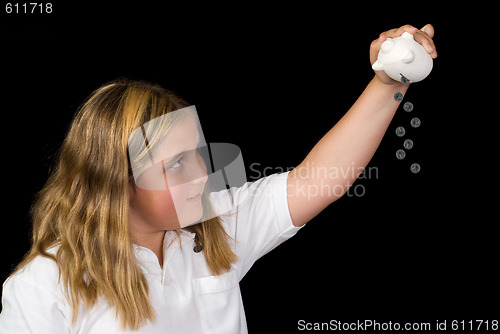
<point>403,59</point>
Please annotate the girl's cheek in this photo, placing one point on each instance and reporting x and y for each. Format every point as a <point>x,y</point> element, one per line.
<point>178,195</point>
<point>159,206</point>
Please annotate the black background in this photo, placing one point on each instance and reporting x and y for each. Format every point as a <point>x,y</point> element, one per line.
<point>414,247</point>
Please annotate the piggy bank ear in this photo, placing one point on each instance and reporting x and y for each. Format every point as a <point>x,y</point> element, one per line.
<point>407,35</point>
<point>408,58</point>
<point>377,66</point>
<point>387,46</point>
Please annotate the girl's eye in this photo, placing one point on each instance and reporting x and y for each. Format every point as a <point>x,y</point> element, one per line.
<point>176,165</point>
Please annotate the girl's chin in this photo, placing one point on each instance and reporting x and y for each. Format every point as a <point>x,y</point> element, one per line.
<point>193,217</point>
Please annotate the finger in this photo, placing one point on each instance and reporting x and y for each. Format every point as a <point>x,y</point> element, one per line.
<point>393,33</point>
<point>427,42</point>
<point>429,30</point>
<point>378,42</point>
<point>375,47</point>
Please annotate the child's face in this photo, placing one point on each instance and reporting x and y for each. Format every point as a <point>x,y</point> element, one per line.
<point>167,194</point>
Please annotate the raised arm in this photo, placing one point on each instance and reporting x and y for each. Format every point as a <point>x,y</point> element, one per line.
<point>341,155</point>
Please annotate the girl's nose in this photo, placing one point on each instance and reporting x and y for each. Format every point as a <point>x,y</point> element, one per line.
<point>199,173</point>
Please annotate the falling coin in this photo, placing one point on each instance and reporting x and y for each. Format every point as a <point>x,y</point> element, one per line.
<point>415,168</point>
<point>408,106</point>
<point>400,131</point>
<point>408,144</point>
<point>400,154</point>
<point>398,96</point>
<point>415,122</point>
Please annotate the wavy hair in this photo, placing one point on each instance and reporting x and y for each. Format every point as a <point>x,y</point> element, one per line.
<point>84,206</point>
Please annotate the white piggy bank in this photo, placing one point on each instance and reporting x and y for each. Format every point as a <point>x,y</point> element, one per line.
<point>403,59</point>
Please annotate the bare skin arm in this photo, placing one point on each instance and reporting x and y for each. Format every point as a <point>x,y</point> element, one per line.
<point>342,154</point>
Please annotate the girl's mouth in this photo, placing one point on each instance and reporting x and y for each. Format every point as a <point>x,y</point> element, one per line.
<point>194,199</point>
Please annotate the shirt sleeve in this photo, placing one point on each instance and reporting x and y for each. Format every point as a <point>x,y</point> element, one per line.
<point>29,307</point>
<point>260,220</point>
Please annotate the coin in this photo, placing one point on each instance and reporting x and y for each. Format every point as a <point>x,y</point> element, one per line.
<point>400,154</point>
<point>415,122</point>
<point>404,79</point>
<point>415,168</point>
<point>398,96</point>
<point>408,144</point>
<point>408,106</point>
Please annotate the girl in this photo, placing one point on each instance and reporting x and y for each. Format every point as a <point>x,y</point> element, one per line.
<point>127,237</point>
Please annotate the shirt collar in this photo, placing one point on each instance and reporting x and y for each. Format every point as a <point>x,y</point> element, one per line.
<point>172,241</point>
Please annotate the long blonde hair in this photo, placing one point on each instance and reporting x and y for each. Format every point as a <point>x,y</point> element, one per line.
<point>84,206</point>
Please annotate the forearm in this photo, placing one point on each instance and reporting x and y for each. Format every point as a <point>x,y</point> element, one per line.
<point>343,153</point>
<point>351,143</point>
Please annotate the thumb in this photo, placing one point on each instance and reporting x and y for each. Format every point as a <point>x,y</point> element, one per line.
<point>375,47</point>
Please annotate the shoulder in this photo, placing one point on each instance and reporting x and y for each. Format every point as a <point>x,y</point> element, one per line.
<point>262,202</point>
<point>267,191</point>
<point>33,298</point>
<point>41,271</point>
<point>259,219</point>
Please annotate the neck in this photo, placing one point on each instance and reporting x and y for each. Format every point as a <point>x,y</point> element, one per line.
<point>152,240</point>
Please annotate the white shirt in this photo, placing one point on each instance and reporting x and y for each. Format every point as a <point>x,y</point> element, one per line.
<point>186,298</point>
